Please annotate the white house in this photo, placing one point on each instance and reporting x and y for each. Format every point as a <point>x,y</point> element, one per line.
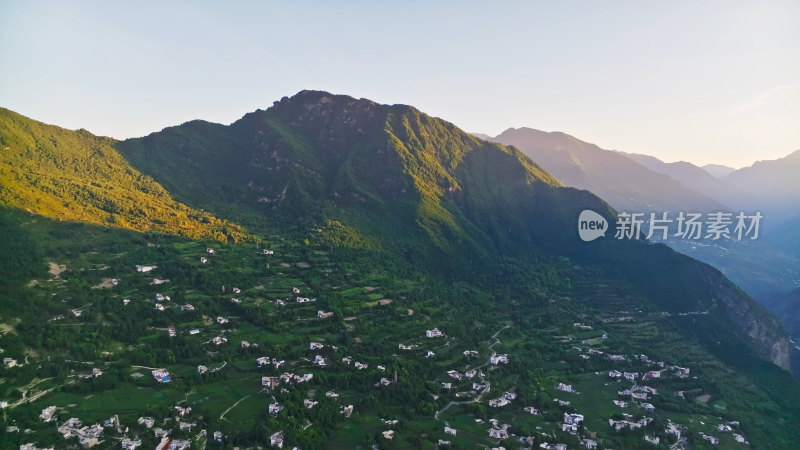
<point>147,422</point>
<point>565,387</point>
<point>497,403</point>
<point>275,408</point>
<point>589,444</point>
<point>655,440</point>
<point>130,444</point>
<point>433,333</point>
<point>652,374</point>
<point>498,434</point>
<point>47,414</point>
<point>450,431</point>
<point>276,440</point>
<point>347,410</point>
<point>498,359</point>
<point>161,375</point>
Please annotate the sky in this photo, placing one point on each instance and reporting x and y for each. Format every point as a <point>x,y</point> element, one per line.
<point>705,82</point>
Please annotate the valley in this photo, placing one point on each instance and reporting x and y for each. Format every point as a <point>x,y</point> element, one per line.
<point>584,336</point>
<point>336,273</point>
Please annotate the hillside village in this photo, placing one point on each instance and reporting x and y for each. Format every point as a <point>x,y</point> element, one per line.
<point>317,363</point>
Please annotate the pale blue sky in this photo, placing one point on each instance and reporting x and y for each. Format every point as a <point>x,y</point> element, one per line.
<point>710,81</point>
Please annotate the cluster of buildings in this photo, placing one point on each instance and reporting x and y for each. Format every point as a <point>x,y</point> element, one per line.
<point>503,400</point>
<point>286,378</point>
<point>88,436</point>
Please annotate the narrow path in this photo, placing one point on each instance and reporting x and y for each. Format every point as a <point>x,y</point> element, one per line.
<point>38,395</point>
<point>221,416</point>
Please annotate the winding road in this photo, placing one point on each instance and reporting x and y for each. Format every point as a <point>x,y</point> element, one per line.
<point>482,377</point>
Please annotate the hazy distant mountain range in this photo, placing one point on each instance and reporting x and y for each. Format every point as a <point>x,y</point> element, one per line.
<point>632,181</point>
<point>766,267</point>
<point>718,170</point>
<point>623,182</point>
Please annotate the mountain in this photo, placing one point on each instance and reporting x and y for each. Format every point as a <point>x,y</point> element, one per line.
<point>641,183</point>
<point>390,171</point>
<point>786,238</point>
<point>773,184</point>
<point>786,306</point>
<point>485,137</point>
<point>717,170</point>
<point>698,180</point>
<point>390,249</point>
<point>395,176</point>
<point>624,183</point>
<point>76,176</point>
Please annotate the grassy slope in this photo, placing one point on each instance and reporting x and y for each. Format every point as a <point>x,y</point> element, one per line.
<point>76,176</point>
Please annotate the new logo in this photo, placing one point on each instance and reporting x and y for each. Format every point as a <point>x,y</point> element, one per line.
<point>591,225</point>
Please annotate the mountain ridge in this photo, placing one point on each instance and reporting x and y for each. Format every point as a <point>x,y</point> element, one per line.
<point>392,174</point>
<point>624,183</point>
<point>326,152</point>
